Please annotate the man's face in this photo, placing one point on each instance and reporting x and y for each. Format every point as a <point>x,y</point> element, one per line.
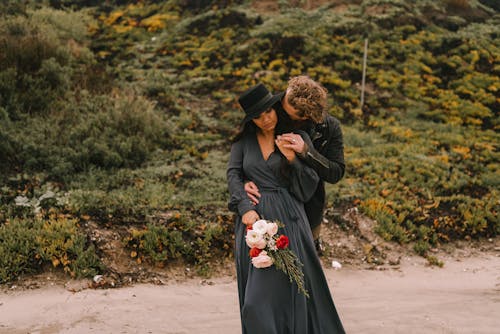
<point>293,113</point>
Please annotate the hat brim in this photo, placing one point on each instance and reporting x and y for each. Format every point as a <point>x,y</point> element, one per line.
<point>268,104</point>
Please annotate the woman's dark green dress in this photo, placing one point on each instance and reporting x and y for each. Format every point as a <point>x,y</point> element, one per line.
<point>269,303</point>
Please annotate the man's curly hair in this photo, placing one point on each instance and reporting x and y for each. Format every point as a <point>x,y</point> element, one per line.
<point>308,97</point>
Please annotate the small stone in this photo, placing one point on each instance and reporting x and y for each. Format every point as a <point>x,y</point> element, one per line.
<point>77,285</point>
<point>336,265</point>
<point>98,279</point>
<point>394,261</point>
<point>206,282</point>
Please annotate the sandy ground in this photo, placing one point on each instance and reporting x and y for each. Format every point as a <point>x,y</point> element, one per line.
<point>462,297</point>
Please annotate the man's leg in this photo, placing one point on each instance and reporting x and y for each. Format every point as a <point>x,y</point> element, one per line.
<point>317,241</point>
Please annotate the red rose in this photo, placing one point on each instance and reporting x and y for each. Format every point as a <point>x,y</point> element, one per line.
<point>254,252</point>
<point>249,227</point>
<point>282,242</point>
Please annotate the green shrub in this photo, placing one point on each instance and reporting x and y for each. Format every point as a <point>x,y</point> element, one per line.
<point>99,131</point>
<point>421,247</point>
<point>182,238</point>
<point>137,129</point>
<point>12,7</point>
<point>123,205</point>
<point>41,55</point>
<point>434,261</point>
<point>27,244</point>
<point>17,251</point>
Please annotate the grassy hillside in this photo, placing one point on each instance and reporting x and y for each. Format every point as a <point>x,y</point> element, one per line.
<point>119,115</point>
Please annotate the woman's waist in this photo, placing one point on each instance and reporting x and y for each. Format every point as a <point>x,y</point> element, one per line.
<point>272,188</point>
<point>272,195</point>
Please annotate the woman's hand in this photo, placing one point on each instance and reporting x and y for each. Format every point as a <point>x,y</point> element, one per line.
<point>283,144</point>
<point>294,142</point>
<point>250,217</point>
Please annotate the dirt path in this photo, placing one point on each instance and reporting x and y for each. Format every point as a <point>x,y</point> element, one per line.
<point>462,297</point>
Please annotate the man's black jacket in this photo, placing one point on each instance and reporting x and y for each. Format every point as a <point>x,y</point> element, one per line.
<point>324,153</point>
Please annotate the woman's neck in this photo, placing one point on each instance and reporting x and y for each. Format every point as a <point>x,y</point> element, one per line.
<point>266,134</point>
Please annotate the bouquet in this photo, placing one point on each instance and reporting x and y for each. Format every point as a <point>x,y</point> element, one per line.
<point>268,248</point>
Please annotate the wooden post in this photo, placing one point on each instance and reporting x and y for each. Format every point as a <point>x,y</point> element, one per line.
<point>365,55</point>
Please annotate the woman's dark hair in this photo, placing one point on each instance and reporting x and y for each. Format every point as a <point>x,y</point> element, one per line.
<point>245,128</point>
<point>250,127</point>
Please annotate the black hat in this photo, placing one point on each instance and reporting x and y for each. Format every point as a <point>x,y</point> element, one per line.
<point>256,100</point>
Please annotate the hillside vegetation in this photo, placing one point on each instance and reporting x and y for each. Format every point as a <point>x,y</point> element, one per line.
<point>117,116</point>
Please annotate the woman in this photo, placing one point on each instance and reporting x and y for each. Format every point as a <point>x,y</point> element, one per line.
<point>269,302</point>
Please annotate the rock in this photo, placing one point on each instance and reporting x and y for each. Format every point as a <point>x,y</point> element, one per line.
<point>206,282</point>
<point>77,285</point>
<point>394,261</point>
<point>98,279</point>
<point>336,265</point>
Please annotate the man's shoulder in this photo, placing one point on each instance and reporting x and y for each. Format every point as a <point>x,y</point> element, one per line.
<point>330,125</point>
<point>332,120</point>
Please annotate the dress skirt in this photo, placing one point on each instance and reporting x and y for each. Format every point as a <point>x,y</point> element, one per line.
<point>269,302</point>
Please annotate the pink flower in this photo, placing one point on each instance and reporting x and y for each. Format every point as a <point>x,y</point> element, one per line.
<point>260,226</point>
<point>255,239</point>
<point>262,261</point>
<point>265,245</point>
<point>272,229</point>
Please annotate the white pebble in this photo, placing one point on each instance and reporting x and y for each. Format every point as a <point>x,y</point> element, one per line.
<point>336,265</point>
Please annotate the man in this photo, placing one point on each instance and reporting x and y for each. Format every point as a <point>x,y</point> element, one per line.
<point>317,139</point>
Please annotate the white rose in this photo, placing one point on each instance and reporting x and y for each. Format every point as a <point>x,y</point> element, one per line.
<point>262,261</point>
<point>272,244</point>
<point>255,239</point>
<point>272,229</point>
<point>260,226</point>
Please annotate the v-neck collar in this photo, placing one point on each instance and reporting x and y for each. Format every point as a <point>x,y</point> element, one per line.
<point>260,150</point>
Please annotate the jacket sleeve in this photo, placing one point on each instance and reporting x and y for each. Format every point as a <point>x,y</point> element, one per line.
<point>239,202</point>
<point>330,165</point>
<point>303,180</point>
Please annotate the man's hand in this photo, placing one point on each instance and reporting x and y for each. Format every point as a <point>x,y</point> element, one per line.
<point>283,145</point>
<point>294,142</point>
<point>250,217</point>
<point>252,192</point>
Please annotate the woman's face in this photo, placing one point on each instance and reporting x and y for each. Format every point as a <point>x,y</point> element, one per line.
<point>267,120</point>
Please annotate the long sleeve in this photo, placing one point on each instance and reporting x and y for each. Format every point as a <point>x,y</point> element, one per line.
<point>330,165</point>
<point>303,180</point>
<point>239,201</point>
